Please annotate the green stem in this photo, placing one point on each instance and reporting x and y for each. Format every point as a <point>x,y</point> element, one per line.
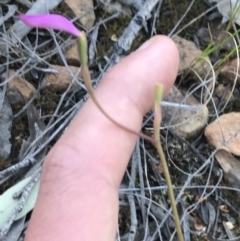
<point>170,191</point>
<point>157,122</point>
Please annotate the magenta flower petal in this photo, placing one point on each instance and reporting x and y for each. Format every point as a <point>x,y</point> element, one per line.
<point>54,21</point>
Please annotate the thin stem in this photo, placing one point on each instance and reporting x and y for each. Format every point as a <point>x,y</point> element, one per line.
<point>82,51</point>
<point>170,190</point>
<point>87,80</point>
<point>157,122</point>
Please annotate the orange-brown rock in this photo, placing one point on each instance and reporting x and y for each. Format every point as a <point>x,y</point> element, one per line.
<point>18,89</point>
<point>84,10</point>
<point>224,133</point>
<point>61,80</point>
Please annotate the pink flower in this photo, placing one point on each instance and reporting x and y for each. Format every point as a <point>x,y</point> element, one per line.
<point>53,21</point>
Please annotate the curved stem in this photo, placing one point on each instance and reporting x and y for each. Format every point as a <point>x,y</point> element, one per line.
<point>87,80</point>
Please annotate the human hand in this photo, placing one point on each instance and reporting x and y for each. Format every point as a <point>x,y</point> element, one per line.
<point>78,196</point>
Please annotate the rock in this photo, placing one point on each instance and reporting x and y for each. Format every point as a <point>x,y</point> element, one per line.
<point>220,91</point>
<point>189,54</point>
<point>185,122</point>
<point>19,90</point>
<point>84,10</point>
<point>224,133</point>
<point>230,166</point>
<point>60,81</point>
<point>229,71</point>
<point>216,36</point>
<point>71,55</point>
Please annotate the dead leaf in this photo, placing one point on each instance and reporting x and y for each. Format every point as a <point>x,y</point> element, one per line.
<point>198,227</point>
<point>224,208</point>
<point>224,133</point>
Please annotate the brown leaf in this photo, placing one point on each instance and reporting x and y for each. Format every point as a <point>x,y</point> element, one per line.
<point>224,208</point>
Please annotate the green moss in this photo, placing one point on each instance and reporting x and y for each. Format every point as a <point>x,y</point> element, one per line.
<point>173,10</point>
<point>114,27</point>
<point>47,102</point>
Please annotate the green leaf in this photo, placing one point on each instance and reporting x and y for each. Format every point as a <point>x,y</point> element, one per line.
<point>8,203</point>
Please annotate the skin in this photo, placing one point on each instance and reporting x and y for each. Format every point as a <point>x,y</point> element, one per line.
<point>78,197</point>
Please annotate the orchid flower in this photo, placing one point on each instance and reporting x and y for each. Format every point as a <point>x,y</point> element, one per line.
<point>58,22</point>
<point>54,21</point>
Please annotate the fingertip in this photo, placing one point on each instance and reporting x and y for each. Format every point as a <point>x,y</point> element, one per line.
<point>156,61</point>
<point>170,55</point>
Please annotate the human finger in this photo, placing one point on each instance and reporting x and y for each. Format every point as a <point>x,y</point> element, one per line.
<point>83,171</point>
